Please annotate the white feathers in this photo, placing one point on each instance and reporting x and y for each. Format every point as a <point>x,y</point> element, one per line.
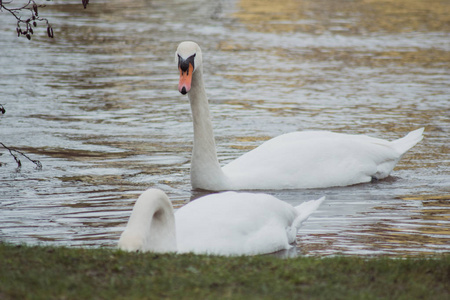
<point>232,223</point>
<point>227,223</point>
<point>310,159</point>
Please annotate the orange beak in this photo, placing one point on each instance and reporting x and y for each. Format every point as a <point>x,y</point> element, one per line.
<point>184,86</point>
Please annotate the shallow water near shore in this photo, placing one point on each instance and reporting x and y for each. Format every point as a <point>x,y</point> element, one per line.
<point>98,106</point>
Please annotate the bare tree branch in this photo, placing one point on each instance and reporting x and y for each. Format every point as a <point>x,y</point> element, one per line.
<point>19,163</point>
<point>25,24</point>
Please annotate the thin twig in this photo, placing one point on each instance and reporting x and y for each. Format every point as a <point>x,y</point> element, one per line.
<point>30,22</point>
<point>19,163</point>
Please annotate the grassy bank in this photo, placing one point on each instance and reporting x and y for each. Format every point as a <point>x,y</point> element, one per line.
<point>66,273</point>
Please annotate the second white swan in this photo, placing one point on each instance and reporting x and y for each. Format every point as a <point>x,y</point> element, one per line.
<point>228,223</point>
<point>309,159</point>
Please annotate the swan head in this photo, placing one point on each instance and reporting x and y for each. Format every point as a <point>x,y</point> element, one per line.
<point>189,59</point>
<point>151,226</point>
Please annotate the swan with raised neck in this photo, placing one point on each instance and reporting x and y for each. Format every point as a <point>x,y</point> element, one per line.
<point>307,159</point>
<point>206,172</point>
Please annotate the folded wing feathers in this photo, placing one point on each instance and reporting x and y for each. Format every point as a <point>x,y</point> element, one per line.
<point>407,142</point>
<point>305,210</point>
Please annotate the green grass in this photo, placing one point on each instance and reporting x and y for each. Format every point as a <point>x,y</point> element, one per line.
<point>73,273</point>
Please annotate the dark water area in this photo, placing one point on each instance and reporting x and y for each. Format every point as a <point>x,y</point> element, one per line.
<point>98,106</point>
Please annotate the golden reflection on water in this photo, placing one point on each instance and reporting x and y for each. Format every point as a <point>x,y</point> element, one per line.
<point>403,238</point>
<point>352,57</point>
<point>344,16</point>
<point>349,18</point>
<point>394,237</point>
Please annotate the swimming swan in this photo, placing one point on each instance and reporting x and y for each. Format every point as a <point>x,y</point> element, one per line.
<point>227,223</point>
<point>309,159</point>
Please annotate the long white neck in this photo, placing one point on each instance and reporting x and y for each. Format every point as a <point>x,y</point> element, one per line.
<point>151,226</point>
<point>206,172</point>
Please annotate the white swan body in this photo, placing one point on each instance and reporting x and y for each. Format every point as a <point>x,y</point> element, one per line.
<point>228,223</point>
<point>311,159</point>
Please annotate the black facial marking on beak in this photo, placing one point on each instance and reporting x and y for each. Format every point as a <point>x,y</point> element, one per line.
<point>183,64</point>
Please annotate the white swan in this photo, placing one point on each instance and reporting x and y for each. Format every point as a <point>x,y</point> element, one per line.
<point>228,223</point>
<point>310,159</point>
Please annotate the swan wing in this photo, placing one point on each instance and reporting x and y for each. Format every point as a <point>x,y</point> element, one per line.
<point>305,210</point>
<point>314,159</point>
<point>233,223</point>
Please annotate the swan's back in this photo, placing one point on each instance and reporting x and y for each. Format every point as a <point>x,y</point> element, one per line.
<point>233,223</point>
<point>316,159</point>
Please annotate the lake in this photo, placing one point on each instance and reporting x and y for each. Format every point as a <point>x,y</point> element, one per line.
<point>98,106</point>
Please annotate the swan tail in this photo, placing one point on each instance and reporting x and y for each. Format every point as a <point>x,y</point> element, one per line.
<point>407,142</point>
<point>305,210</point>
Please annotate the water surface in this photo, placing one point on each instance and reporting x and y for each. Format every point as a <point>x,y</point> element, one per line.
<point>98,106</point>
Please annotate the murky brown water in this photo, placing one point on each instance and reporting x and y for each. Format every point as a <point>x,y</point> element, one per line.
<point>98,106</point>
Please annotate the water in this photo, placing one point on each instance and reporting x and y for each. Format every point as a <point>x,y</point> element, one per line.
<point>98,106</point>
